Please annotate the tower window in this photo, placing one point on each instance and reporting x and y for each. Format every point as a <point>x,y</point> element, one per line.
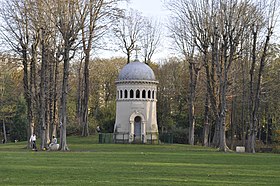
<point>131,94</point>
<point>153,94</point>
<point>144,94</point>
<point>149,94</point>
<point>121,96</point>
<point>125,93</point>
<point>137,93</point>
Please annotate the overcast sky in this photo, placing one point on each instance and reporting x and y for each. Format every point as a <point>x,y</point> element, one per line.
<point>150,8</point>
<point>156,10</point>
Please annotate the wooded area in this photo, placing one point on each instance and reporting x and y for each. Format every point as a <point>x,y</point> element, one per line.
<point>220,89</point>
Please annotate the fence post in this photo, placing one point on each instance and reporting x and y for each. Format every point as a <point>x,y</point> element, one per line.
<point>157,138</point>
<point>100,137</point>
<point>169,138</point>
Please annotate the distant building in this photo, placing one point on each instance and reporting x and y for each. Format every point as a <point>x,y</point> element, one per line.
<point>136,120</point>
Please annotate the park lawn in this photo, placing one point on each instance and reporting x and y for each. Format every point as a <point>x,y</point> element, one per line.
<point>89,163</point>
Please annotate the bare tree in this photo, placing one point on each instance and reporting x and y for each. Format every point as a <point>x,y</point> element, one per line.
<point>68,22</point>
<point>42,51</point>
<point>15,32</point>
<point>187,38</point>
<point>268,11</point>
<point>230,28</point>
<point>221,26</point>
<point>100,13</point>
<point>128,31</point>
<point>150,41</point>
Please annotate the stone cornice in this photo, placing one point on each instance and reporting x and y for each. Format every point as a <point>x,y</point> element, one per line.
<point>136,99</point>
<point>136,82</point>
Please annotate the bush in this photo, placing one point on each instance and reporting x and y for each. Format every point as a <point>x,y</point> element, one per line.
<point>106,118</point>
<point>276,149</point>
<point>73,129</point>
<point>180,135</point>
<point>19,125</point>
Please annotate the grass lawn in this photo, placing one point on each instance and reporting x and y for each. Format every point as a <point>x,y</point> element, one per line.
<point>89,163</point>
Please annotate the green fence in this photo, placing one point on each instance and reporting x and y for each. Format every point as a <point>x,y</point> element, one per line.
<point>166,138</point>
<point>161,138</point>
<point>106,138</point>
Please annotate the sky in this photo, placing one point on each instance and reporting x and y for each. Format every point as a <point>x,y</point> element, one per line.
<point>149,8</point>
<point>156,10</point>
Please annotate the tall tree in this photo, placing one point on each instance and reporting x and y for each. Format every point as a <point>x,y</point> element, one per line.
<point>15,29</point>
<point>150,41</point>
<point>187,37</point>
<point>128,30</point>
<point>269,12</point>
<point>222,27</point>
<point>68,22</point>
<point>100,13</point>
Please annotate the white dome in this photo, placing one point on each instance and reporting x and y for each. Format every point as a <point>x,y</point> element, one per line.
<point>136,70</point>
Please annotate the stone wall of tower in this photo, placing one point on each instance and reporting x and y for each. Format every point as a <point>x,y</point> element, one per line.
<point>136,98</point>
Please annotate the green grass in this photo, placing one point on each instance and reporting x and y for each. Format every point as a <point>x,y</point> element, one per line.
<point>89,163</point>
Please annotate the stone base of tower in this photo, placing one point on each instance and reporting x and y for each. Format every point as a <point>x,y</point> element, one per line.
<point>152,138</point>
<point>149,138</point>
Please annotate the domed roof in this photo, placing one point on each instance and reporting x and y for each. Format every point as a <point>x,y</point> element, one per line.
<point>136,70</point>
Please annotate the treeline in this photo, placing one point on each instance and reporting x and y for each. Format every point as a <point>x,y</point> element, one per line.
<point>221,88</point>
<point>225,40</point>
<point>172,103</point>
<point>47,36</point>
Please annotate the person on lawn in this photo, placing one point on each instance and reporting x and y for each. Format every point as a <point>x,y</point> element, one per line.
<point>33,141</point>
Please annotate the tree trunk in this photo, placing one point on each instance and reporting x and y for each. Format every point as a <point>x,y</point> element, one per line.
<point>34,80</point>
<point>51,95</point>
<point>55,107</point>
<point>206,121</point>
<point>79,96</point>
<point>43,94</point>
<point>193,75</point>
<point>222,117</point>
<point>222,72</point>
<point>47,93</point>
<point>128,57</point>
<point>192,94</point>
<point>212,91</point>
<point>85,131</point>
<point>27,92</point>
<point>191,98</point>
<point>32,90</point>
<point>4,131</point>
<point>232,123</point>
<point>251,140</point>
<point>192,123</point>
<point>63,120</point>
<point>243,135</point>
<point>210,81</point>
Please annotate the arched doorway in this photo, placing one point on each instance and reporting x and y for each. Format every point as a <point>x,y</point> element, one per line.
<point>137,129</point>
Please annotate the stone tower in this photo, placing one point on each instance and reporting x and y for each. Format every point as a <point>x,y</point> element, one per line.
<point>136,119</point>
